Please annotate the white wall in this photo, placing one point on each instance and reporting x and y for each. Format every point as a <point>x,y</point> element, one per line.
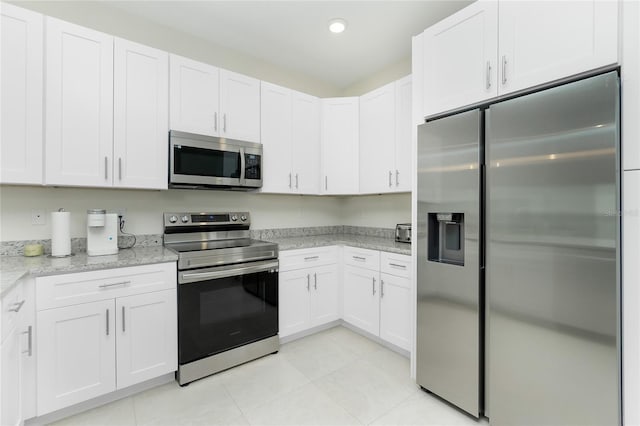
<point>381,211</point>
<point>380,78</point>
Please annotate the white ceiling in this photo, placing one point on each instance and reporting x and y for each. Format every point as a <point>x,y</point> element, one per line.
<point>294,34</point>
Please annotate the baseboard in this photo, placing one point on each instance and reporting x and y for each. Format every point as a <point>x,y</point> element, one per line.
<point>99,401</point>
<point>310,331</point>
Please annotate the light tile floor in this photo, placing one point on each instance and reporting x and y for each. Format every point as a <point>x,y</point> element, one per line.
<point>335,377</point>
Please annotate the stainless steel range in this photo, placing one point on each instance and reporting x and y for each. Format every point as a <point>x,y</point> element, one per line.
<point>227,292</point>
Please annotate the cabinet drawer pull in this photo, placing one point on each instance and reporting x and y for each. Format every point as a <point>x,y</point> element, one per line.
<point>224,122</point>
<point>107,322</point>
<point>315,281</point>
<point>215,121</point>
<point>123,327</point>
<point>326,179</point>
<point>390,176</point>
<point>29,334</point>
<point>16,307</point>
<point>311,257</point>
<point>308,282</point>
<point>289,180</point>
<point>296,181</point>
<point>381,288</point>
<point>373,286</point>
<point>504,69</point>
<point>397,178</point>
<point>360,258</point>
<point>114,284</point>
<point>120,168</point>
<point>106,164</point>
<point>398,266</point>
<point>488,75</point>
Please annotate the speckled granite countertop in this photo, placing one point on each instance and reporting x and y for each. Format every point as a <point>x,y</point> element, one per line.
<point>13,268</point>
<point>353,240</point>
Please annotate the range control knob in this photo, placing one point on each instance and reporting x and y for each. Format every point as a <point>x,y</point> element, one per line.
<point>185,219</point>
<point>234,218</point>
<point>173,219</point>
<point>243,218</point>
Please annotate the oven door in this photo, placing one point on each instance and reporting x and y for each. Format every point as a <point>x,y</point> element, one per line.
<point>212,161</point>
<point>226,307</point>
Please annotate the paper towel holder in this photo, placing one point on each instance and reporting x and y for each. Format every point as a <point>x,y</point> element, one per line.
<point>60,210</point>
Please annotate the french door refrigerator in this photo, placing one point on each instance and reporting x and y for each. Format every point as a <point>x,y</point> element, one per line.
<point>518,285</point>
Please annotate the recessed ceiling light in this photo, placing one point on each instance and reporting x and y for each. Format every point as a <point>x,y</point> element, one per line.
<point>337,25</point>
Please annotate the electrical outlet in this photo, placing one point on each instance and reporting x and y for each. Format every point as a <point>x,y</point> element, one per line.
<point>37,217</point>
<point>122,212</point>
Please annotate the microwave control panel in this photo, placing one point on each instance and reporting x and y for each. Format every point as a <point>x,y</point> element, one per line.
<point>252,166</point>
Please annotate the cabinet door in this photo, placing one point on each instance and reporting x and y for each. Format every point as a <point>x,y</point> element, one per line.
<point>545,41</point>
<point>306,143</point>
<point>76,354</point>
<point>10,392</point>
<point>361,298</point>
<point>377,140</point>
<point>395,310</point>
<point>631,91</point>
<point>339,136</point>
<point>275,133</point>
<point>240,106</point>
<point>147,330</point>
<point>294,288</point>
<point>27,324</point>
<point>21,70</point>
<point>194,96</point>
<point>79,105</point>
<point>402,176</point>
<point>324,295</point>
<point>460,58</point>
<point>141,116</point>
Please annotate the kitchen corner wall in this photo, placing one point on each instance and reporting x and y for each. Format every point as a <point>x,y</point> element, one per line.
<point>144,208</point>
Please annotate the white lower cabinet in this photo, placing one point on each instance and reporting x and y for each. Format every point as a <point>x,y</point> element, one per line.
<point>124,332</point>
<point>308,289</point>
<point>377,296</point>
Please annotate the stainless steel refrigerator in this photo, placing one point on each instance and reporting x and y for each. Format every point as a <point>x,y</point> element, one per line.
<point>518,314</point>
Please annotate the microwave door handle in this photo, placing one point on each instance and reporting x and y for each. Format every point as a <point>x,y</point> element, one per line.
<point>242,167</point>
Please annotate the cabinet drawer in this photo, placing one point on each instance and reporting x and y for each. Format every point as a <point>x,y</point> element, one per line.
<point>395,264</point>
<point>12,304</point>
<point>362,258</point>
<point>305,258</point>
<point>70,289</point>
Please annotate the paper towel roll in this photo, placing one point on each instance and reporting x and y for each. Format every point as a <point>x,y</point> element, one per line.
<point>60,233</point>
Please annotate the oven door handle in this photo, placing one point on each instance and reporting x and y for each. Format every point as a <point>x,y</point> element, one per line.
<point>190,277</point>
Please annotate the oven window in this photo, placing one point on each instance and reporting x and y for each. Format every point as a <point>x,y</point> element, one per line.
<point>224,313</point>
<point>206,162</point>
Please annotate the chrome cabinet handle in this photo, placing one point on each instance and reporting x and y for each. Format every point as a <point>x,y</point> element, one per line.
<point>224,122</point>
<point>373,286</point>
<point>397,177</point>
<point>504,69</point>
<point>107,322</point>
<point>16,306</point>
<point>398,266</point>
<point>29,333</point>
<point>215,121</point>
<point>308,282</point>
<point>381,288</point>
<point>289,180</point>
<point>315,281</point>
<point>311,257</point>
<point>296,181</point>
<point>114,284</point>
<point>362,259</point>
<point>390,175</point>
<point>106,164</point>
<point>488,75</point>
<point>325,183</point>
<point>120,168</point>
<point>123,326</point>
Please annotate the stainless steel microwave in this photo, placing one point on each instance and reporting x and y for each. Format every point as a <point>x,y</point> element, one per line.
<point>207,162</point>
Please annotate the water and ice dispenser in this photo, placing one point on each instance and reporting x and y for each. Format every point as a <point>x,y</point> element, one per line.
<point>446,238</point>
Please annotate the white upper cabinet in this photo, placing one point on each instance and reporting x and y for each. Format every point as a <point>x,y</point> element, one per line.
<point>194,93</point>
<point>460,58</point>
<point>240,106</point>
<point>385,138</point>
<point>377,140</point>
<point>493,48</point>
<point>404,90</point>
<point>21,69</point>
<point>544,41</point>
<point>305,143</point>
<point>79,105</point>
<point>141,116</point>
<point>339,144</point>
<point>276,127</point>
